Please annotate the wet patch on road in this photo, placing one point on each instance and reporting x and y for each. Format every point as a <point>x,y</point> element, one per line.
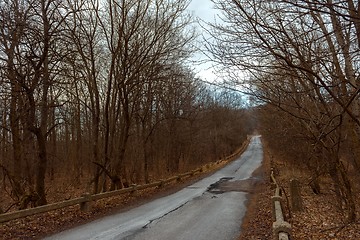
<point>228,185</point>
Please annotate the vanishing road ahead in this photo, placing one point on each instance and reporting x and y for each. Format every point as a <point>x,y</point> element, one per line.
<point>204,210</point>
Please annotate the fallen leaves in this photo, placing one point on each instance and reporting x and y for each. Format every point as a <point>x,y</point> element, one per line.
<point>41,225</point>
<point>258,219</point>
<point>321,218</point>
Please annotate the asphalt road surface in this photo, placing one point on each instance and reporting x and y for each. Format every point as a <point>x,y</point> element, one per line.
<point>210,209</point>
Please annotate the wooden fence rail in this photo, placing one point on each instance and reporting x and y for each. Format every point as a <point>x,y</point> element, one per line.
<point>281,228</point>
<point>86,199</point>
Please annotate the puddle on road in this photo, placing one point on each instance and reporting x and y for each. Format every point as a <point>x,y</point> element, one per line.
<point>226,185</point>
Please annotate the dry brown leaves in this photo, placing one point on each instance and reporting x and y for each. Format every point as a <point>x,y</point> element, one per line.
<point>41,225</point>
<point>258,221</point>
<point>321,218</point>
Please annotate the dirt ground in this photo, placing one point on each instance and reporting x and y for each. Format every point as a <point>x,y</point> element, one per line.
<point>258,219</point>
<point>321,217</point>
<point>41,225</point>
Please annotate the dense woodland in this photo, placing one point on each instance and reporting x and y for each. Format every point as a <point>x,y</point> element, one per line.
<point>100,94</point>
<point>300,59</point>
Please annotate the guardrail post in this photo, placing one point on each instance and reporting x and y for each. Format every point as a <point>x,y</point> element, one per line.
<point>296,201</point>
<point>134,188</point>
<point>162,183</point>
<point>86,205</point>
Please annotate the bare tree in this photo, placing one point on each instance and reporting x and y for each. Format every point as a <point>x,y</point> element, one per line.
<point>139,36</point>
<point>31,56</point>
<point>102,89</point>
<point>300,57</point>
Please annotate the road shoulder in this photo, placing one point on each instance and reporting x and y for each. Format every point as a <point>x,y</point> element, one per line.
<point>258,219</point>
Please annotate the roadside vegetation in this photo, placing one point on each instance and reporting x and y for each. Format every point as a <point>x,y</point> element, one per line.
<point>99,95</point>
<point>300,60</point>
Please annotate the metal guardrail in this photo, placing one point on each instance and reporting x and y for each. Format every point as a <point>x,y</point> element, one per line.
<point>86,199</point>
<point>281,228</point>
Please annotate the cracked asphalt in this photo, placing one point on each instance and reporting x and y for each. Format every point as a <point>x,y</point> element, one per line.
<point>195,212</point>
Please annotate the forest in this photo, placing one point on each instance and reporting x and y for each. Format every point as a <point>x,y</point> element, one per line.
<point>97,95</point>
<point>300,60</point>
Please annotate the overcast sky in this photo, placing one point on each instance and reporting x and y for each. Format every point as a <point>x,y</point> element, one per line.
<point>204,10</point>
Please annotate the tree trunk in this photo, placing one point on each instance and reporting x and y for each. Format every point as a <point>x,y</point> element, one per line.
<point>343,190</point>
<point>348,194</point>
<point>41,168</point>
<point>296,201</point>
<point>16,143</point>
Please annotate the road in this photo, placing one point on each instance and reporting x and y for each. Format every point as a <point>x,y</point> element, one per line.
<point>210,209</point>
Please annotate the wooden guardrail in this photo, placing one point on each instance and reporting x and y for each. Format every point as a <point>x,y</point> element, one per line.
<point>86,199</point>
<point>281,228</point>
